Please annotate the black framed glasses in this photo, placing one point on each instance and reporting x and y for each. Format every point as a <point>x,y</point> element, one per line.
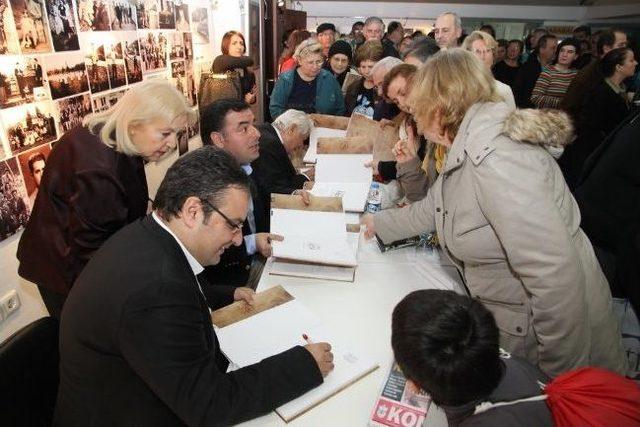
<point>236,227</point>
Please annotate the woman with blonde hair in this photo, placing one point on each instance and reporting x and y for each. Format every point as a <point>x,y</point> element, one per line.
<point>94,184</point>
<point>507,220</point>
<point>308,87</point>
<point>483,47</point>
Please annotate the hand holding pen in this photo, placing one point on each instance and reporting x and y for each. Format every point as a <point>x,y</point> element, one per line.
<point>321,353</point>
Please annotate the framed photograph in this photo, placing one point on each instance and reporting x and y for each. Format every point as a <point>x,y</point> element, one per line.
<point>9,44</point>
<point>29,126</point>
<point>200,25</point>
<point>132,59</point>
<point>67,75</point>
<point>167,15</point>
<point>93,15</point>
<point>13,199</point>
<point>71,111</point>
<point>182,17</point>
<point>21,81</point>
<point>123,15</point>
<point>153,47</point>
<point>31,27</point>
<point>62,25</point>
<point>32,164</point>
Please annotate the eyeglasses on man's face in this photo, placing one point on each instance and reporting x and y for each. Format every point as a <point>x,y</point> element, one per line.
<point>234,226</point>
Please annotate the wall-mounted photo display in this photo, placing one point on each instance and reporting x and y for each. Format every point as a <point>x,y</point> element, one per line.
<point>32,164</point>
<point>132,58</point>
<point>115,63</point>
<point>71,112</point>
<point>21,81</point>
<point>188,46</point>
<point>182,17</point>
<point>62,25</point>
<point>29,126</point>
<point>167,16</point>
<point>93,15</point>
<point>95,61</point>
<point>9,44</point>
<point>153,47</point>
<point>176,45</point>
<point>67,74</point>
<point>123,15</point>
<point>31,26</point>
<point>104,102</point>
<point>148,12</point>
<point>177,69</point>
<point>13,199</point>
<point>200,25</point>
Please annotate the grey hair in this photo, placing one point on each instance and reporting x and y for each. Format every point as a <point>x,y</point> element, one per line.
<point>456,18</point>
<point>373,19</point>
<point>306,48</point>
<point>294,117</point>
<point>385,64</point>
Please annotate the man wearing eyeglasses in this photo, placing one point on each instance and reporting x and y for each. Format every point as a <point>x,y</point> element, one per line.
<point>228,124</point>
<point>137,346</point>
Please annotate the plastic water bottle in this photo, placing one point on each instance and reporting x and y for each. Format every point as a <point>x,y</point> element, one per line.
<point>374,201</point>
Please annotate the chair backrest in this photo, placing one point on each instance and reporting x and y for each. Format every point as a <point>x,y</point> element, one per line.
<point>29,373</point>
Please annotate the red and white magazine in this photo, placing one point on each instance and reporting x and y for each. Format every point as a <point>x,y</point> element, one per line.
<point>401,403</point>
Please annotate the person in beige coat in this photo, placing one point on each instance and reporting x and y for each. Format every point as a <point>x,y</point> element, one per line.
<point>506,218</point>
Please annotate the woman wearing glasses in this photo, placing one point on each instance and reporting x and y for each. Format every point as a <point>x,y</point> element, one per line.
<point>94,184</point>
<point>309,87</point>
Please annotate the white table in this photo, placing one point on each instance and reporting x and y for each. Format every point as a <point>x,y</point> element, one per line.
<point>361,313</point>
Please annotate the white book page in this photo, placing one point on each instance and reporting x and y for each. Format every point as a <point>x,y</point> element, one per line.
<point>343,168</point>
<point>319,132</point>
<point>354,195</point>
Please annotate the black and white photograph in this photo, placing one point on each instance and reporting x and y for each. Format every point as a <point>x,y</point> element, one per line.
<point>115,64</point>
<point>177,69</point>
<point>32,164</point>
<point>21,81</point>
<point>200,25</point>
<point>71,111</point>
<point>148,12</point>
<point>62,25</point>
<point>104,102</point>
<point>188,46</point>
<point>167,15</point>
<point>176,46</point>
<point>67,75</point>
<point>31,26</point>
<point>96,63</point>
<point>153,47</point>
<point>8,34</point>
<point>182,17</point>
<point>132,59</point>
<point>14,211</point>
<point>29,126</point>
<point>123,15</point>
<point>93,15</point>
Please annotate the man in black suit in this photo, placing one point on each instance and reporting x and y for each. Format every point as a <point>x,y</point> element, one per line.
<point>273,170</point>
<point>137,346</point>
<point>228,124</point>
<point>528,74</point>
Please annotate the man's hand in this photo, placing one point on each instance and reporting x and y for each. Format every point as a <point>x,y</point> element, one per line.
<point>406,150</point>
<point>373,165</point>
<point>263,243</point>
<point>308,185</point>
<point>244,294</point>
<point>306,196</point>
<point>369,224</point>
<point>321,352</point>
<point>310,173</point>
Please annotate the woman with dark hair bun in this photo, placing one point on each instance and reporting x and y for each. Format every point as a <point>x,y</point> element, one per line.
<point>233,59</point>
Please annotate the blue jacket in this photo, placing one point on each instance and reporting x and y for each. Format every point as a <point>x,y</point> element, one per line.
<point>329,99</point>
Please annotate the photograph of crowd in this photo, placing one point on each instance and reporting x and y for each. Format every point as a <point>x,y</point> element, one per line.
<point>62,25</point>
<point>153,46</point>
<point>200,25</point>
<point>28,126</point>
<point>67,75</point>
<point>21,81</point>
<point>167,16</point>
<point>133,60</point>
<point>104,102</point>
<point>176,50</point>
<point>8,35</point>
<point>115,64</point>
<point>148,14</point>
<point>32,164</point>
<point>28,16</point>
<point>182,17</point>
<point>71,112</point>
<point>14,211</point>
<point>123,15</point>
<point>93,15</point>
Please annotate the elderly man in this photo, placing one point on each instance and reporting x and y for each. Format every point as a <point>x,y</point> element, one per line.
<point>273,170</point>
<point>384,109</point>
<point>373,28</point>
<point>448,29</point>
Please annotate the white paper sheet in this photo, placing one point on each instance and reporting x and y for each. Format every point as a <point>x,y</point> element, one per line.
<point>319,132</point>
<point>354,195</point>
<point>343,168</point>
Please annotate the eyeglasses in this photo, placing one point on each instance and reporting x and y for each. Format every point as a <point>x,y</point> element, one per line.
<point>236,227</point>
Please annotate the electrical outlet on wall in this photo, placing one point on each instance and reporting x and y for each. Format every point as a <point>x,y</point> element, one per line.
<point>9,303</point>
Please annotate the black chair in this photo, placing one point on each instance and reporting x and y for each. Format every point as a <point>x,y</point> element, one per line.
<point>29,374</point>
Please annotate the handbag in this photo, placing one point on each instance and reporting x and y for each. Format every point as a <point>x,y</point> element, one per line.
<point>219,86</point>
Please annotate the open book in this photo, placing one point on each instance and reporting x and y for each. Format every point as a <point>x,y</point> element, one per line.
<point>314,233</point>
<point>277,326</point>
<point>381,139</point>
<point>346,176</point>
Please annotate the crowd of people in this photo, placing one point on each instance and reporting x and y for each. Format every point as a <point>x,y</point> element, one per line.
<point>488,176</point>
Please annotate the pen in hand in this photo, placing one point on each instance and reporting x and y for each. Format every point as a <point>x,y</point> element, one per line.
<point>307,339</point>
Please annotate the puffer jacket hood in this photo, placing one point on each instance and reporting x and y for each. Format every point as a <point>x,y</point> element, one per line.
<point>546,127</point>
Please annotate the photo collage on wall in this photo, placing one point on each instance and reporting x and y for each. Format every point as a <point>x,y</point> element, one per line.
<point>62,60</point>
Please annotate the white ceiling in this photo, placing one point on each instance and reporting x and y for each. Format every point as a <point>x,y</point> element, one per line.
<point>511,2</point>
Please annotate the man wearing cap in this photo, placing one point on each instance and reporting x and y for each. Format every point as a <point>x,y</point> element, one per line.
<point>326,36</point>
<point>338,60</point>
